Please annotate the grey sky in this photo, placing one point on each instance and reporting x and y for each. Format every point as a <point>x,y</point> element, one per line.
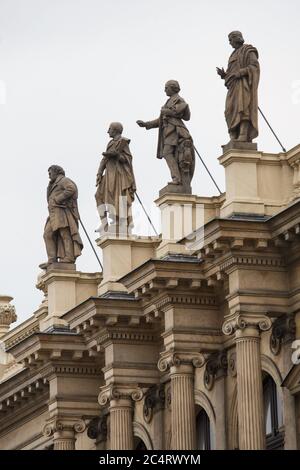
<point>69,67</point>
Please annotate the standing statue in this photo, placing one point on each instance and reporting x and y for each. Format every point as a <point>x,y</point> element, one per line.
<point>61,233</point>
<point>116,183</point>
<point>175,143</point>
<point>241,80</point>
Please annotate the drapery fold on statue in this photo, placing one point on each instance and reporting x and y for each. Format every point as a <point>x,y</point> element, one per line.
<point>63,212</point>
<point>118,179</point>
<point>241,101</point>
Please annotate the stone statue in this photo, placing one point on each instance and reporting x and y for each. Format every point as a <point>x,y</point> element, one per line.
<point>61,233</point>
<point>241,79</point>
<point>175,143</point>
<point>116,183</point>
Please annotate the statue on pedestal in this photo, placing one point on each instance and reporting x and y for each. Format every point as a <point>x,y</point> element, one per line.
<point>61,235</point>
<point>175,143</point>
<point>116,183</point>
<point>241,79</point>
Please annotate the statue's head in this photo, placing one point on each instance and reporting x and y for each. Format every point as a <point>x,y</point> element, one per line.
<point>54,171</point>
<point>115,128</point>
<point>172,87</point>
<point>236,39</point>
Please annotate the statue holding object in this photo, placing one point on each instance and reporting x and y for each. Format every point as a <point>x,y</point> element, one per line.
<point>175,143</point>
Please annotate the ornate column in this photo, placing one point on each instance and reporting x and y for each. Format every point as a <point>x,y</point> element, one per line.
<point>183,420</point>
<point>121,399</point>
<point>247,327</point>
<point>63,431</point>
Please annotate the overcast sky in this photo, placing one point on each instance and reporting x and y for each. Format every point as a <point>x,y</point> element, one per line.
<point>70,67</point>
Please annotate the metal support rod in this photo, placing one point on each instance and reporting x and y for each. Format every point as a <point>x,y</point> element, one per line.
<point>270,127</point>
<point>87,236</point>
<point>208,170</point>
<point>146,214</point>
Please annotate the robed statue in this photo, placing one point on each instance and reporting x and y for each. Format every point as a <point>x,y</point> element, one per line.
<point>175,143</point>
<point>241,79</point>
<point>61,235</point>
<point>116,184</point>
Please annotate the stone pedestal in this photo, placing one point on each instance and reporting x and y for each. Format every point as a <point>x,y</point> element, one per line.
<point>236,145</point>
<point>65,288</point>
<point>181,215</point>
<point>122,255</point>
<point>257,183</point>
<point>247,328</point>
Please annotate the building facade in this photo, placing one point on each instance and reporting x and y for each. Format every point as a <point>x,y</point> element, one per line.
<point>187,340</point>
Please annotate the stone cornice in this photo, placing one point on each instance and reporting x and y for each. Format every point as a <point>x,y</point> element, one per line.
<point>242,320</point>
<point>119,392</point>
<point>23,394</point>
<point>156,275</point>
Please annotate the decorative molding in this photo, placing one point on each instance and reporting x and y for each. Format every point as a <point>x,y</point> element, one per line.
<point>7,314</point>
<point>216,364</point>
<point>202,299</point>
<point>283,330</point>
<point>140,431</point>
<point>169,398</point>
<point>154,399</point>
<point>241,321</point>
<point>97,428</point>
<point>23,395</point>
<point>119,392</point>
<point>127,335</point>
<point>169,359</point>
<point>249,260</point>
<point>232,365</point>
<point>22,335</point>
<point>76,369</point>
<point>59,424</point>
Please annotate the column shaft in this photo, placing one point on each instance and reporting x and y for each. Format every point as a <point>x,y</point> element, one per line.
<point>183,408</point>
<point>250,392</point>
<point>121,432</point>
<point>64,440</point>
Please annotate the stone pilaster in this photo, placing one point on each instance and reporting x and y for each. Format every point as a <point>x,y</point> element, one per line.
<point>64,432</point>
<point>121,399</point>
<point>247,329</point>
<point>183,420</point>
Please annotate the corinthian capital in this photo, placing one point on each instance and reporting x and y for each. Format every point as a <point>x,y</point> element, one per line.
<point>119,392</point>
<point>242,320</point>
<point>171,358</point>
